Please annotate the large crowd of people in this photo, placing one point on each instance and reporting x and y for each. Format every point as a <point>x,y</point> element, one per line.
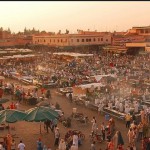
<point>126,92</point>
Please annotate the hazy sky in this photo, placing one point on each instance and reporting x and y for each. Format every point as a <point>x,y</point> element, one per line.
<point>54,16</point>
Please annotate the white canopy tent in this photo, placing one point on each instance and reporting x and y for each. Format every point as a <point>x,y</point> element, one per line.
<point>90,85</point>
<point>81,90</point>
<point>73,54</point>
<point>99,77</point>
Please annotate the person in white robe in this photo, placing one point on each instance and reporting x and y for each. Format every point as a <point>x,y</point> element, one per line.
<point>127,109</point>
<point>121,107</point>
<point>145,108</point>
<point>75,140</point>
<point>136,107</point>
<point>117,105</point>
<point>62,145</point>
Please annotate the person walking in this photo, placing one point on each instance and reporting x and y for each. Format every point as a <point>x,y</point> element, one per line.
<point>140,131</point>
<point>128,120</point>
<point>21,145</point>
<point>120,140</point>
<point>130,135</point>
<point>57,136</point>
<point>47,125</point>
<point>48,94</point>
<point>73,147</point>
<point>13,145</point>
<point>1,147</point>
<point>9,141</point>
<point>17,105</point>
<point>94,125</point>
<point>39,144</point>
<point>93,146</point>
<point>115,140</point>
<point>75,139</point>
<point>62,145</point>
<point>103,130</point>
<point>70,97</point>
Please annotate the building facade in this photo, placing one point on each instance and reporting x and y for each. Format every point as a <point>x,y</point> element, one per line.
<point>82,38</point>
<point>144,44</point>
<point>15,41</point>
<point>140,30</point>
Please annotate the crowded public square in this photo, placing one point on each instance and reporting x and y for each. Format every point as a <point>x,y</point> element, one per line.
<point>102,100</point>
<point>74,75</point>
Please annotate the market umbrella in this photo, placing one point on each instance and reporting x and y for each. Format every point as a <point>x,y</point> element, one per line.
<point>11,116</point>
<point>41,114</point>
<point>3,100</point>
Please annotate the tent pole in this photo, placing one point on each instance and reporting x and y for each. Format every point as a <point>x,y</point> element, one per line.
<point>8,128</point>
<point>40,127</point>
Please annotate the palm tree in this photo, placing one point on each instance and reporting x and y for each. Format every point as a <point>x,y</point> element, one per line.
<point>1,29</point>
<point>67,31</point>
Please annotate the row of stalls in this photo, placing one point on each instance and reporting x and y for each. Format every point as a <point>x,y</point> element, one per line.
<point>68,57</point>
<point>16,58</point>
<point>8,60</point>
<point>91,95</point>
<point>88,92</point>
<point>9,51</point>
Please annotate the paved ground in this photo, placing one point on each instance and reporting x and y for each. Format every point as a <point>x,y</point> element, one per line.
<point>29,132</point>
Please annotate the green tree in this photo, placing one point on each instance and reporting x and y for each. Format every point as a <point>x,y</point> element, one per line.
<point>25,30</point>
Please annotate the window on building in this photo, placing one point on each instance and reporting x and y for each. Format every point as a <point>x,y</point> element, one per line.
<point>50,40</point>
<point>58,40</point>
<point>44,41</point>
<point>61,40</point>
<point>106,40</point>
<point>101,39</point>
<point>94,40</point>
<point>77,40</point>
<point>98,39</point>
<point>82,40</point>
<point>38,40</point>
<point>87,40</point>
<point>54,40</point>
